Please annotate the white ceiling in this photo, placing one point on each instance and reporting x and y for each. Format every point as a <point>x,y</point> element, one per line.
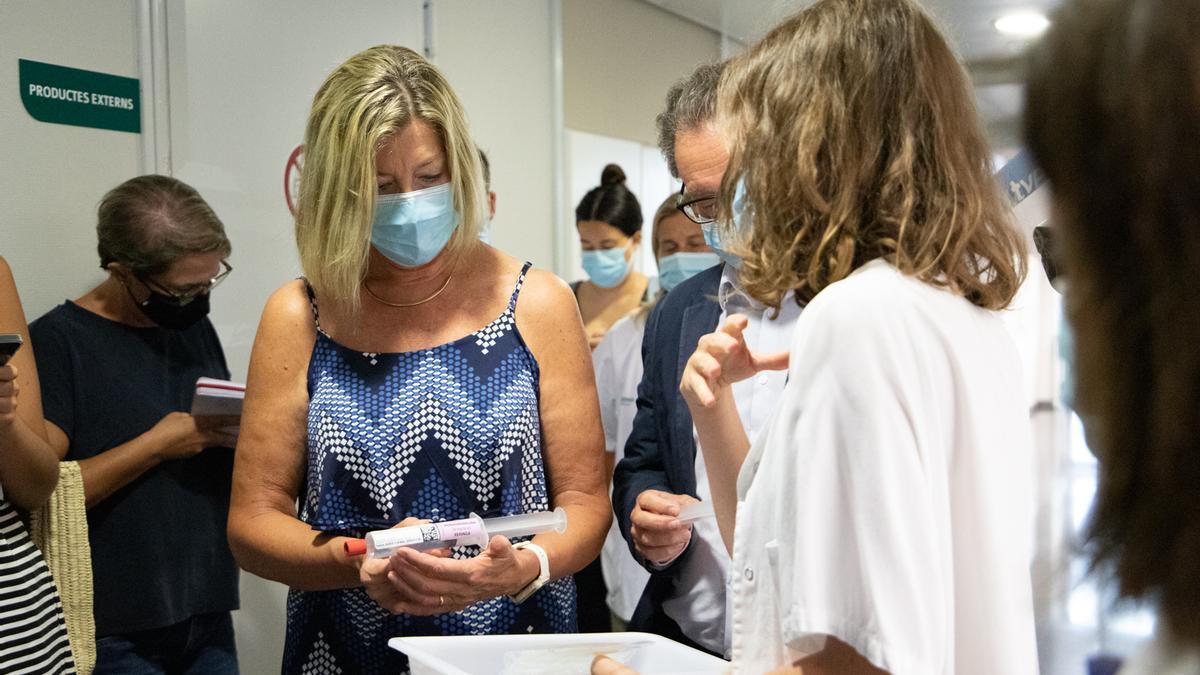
<point>993,59</point>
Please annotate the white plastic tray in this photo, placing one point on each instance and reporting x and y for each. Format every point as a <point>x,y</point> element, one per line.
<point>558,654</point>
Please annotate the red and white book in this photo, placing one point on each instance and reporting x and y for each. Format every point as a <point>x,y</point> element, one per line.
<point>218,397</point>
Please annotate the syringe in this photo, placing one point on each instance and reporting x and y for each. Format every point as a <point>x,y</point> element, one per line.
<point>470,531</point>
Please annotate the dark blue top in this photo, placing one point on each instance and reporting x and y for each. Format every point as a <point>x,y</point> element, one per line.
<point>159,553</point>
<point>434,434</point>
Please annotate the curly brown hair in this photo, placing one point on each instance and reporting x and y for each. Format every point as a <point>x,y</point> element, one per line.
<point>1113,117</point>
<point>854,129</point>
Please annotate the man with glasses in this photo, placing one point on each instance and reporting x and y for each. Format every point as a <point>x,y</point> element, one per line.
<point>118,370</point>
<point>663,469</point>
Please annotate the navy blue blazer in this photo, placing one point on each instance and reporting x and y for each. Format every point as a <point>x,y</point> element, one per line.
<point>660,453</point>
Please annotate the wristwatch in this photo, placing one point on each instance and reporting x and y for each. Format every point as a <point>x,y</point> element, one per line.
<point>543,576</point>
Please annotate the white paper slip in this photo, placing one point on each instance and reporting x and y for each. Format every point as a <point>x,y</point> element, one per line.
<point>696,511</point>
<point>218,397</point>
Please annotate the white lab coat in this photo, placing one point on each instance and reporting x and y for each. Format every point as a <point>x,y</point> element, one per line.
<point>618,363</point>
<point>888,503</point>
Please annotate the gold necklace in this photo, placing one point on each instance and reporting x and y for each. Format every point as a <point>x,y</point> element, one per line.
<point>408,304</point>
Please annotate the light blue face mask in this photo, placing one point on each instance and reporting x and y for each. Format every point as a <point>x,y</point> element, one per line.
<point>712,231</point>
<point>1066,352</point>
<point>679,267</point>
<point>412,228</point>
<point>606,268</point>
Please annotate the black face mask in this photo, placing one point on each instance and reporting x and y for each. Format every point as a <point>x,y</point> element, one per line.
<point>168,313</point>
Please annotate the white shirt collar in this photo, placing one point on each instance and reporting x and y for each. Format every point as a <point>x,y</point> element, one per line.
<point>735,300</point>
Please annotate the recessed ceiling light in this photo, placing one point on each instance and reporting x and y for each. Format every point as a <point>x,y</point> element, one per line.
<point>1022,24</point>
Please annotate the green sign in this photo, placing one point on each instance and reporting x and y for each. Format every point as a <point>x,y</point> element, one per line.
<point>81,98</point>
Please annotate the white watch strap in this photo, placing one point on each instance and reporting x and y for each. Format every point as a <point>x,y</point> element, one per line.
<point>543,574</point>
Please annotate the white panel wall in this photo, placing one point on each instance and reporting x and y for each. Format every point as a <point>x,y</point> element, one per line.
<point>657,184</point>
<point>498,57</point>
<point>242,78</point>
<point>52,176</point>
<point>619,59</point>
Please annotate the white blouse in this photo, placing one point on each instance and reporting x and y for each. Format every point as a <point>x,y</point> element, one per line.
<point>889,502</point>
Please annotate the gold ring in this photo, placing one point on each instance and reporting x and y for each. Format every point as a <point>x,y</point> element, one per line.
<point>441,601</point>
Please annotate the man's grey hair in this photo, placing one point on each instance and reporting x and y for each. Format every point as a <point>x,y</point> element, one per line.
<point>691,103</point>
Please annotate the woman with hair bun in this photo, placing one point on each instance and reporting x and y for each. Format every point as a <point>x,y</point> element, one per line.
<point>609,220</point>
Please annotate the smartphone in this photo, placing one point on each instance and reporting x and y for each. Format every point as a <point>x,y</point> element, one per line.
<point>9,344</point>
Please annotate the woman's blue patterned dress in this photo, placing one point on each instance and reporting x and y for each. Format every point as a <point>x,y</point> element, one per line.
<point>438,434</point>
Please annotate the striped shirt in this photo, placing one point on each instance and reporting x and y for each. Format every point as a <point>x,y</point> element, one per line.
<point>33,635</point>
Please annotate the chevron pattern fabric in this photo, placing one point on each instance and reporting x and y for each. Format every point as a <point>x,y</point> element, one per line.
<point>436,434</point>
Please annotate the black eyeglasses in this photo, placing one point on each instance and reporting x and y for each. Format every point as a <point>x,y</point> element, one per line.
<point>184,297</point>
<point>699,210</point>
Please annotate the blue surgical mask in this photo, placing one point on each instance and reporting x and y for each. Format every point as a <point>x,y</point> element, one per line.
<point>679,267</point>
<point>606,268</point>
<point>412,228</point>
<point>1066,352</point>
<point>712,231</point>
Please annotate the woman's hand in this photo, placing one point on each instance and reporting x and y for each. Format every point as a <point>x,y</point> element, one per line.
<point>431,582</point>
<point>375,573</point>
<point>721,359</point>
<point>8,396</point>
<point>178,435</point>
<point>604,665</point>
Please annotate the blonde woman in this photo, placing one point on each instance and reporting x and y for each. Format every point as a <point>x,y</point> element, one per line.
<point>417,373</point>
<point>880,524</point>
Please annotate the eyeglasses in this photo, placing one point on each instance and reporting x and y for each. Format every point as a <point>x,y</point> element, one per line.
<point>186,296</point>
<point>699,210</point>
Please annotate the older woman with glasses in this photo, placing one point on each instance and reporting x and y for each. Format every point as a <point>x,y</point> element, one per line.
<point>118,369</point>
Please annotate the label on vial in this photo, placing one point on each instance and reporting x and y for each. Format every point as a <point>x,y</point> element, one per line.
<point>447,534</point>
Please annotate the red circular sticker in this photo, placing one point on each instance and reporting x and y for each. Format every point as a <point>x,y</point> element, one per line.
<point>291,177</point>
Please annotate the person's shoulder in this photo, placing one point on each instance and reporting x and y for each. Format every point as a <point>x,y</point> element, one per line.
<point>55,334</point>
<point>627,330</point>
<point>630,323</point>
<point>289,304</point>
<point>874,297</point>
<point>543,290</point>
<point>62,317</point>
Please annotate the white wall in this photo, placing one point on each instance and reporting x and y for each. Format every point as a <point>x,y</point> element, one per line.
<point>52,176</point>
<point>619,59</point>
<point>242,78</point>
<point>499,59</point>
